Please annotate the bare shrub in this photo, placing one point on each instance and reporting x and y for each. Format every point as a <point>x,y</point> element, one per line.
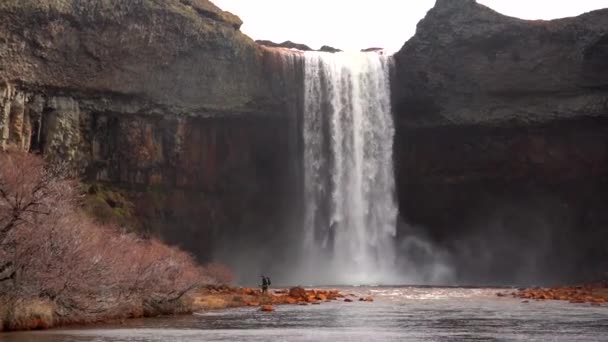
<point>29,314</point>
<point>29,192</point>
<point>52,253</point>
<point>28,189</point>
<point>219,273</point>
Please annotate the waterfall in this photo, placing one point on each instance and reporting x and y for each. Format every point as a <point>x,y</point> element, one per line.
<point>350,210</point>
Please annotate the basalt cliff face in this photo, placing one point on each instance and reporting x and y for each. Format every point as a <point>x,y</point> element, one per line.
<point>501,145</point>
<point>165,99</point>
<point>502,140</point>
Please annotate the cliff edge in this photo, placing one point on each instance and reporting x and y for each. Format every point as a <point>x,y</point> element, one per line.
<point>185,54</point>
<point>469,65</point>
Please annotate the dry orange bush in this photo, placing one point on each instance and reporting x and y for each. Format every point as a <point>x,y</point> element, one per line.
<point>221,273</point>
<point>50,251</point>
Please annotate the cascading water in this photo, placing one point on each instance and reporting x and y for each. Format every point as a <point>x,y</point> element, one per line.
<point>350,209</point>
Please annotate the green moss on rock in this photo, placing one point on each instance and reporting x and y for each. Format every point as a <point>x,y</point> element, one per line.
<point>110,206</point>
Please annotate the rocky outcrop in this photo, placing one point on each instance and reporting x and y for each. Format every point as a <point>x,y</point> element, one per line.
<point>286,44</point>
<point>502,140</point>
<point>327,48</point>
<point>167,100</point>
<point>468,64</point>
<point>372,49</point>
<point>296,46</point>
<point>184,56</point>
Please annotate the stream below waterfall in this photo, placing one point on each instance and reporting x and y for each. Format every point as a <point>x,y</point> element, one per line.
<point>397,314</point>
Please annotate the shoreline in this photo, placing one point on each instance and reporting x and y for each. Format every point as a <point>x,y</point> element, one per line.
<point>215,298</point>
<point>595,294</point>
<point>226,298</point>
<point>38,314</point>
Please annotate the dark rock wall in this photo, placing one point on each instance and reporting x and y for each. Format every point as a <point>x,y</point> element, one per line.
<point>168,101</point>
<point>469,65</point>
<point>501,149</point>
<point>510,204</point>
<point>197,181</point>
<point>502,142</point>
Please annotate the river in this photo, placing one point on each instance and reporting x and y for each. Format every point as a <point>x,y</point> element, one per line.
<point>397,314</point>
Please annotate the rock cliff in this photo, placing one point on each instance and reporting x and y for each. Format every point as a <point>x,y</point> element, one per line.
<point>468,64</point>
<point>502,139</point>
<point>501,146</point>
<point>165,99</point>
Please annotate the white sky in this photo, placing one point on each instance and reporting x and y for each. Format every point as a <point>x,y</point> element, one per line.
<point>357,24</point>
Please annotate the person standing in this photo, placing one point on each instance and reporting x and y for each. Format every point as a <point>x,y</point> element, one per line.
<point>265,284</point>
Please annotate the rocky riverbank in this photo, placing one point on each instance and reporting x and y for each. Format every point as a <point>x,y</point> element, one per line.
<point>594,294</point>
<point>216,298</point>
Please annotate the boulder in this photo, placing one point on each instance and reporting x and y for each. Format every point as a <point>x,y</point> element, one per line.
<point>311,299</point>
<point>267,308</point>
<point>298,292</point>
<point>249,291</point>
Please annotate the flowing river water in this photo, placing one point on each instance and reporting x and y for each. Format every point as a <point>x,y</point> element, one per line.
<point>397,314</point>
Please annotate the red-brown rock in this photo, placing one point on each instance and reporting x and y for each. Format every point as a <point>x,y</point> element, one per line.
<point>298,292</point>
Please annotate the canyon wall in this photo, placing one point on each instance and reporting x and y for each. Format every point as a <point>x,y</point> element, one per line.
<point>501,147</point>
<point>502,141</point>
<point>164,100</point>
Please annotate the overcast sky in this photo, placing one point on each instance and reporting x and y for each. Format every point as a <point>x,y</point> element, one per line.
<point>357,24</point>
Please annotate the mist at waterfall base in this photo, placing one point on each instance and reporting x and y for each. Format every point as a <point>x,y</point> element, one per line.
<point>346,229</point>
<point>349,230</point>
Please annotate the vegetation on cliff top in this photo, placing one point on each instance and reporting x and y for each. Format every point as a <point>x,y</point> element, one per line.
<point>59,266</point>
